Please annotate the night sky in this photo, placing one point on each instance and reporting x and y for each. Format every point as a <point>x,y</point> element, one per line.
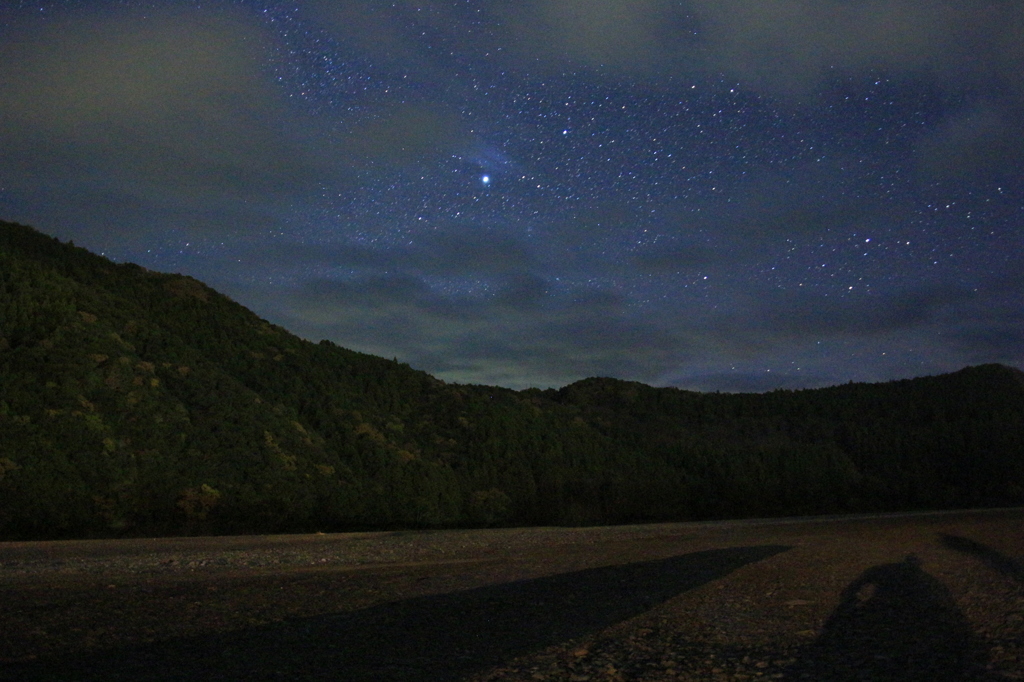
<point>711,194</point>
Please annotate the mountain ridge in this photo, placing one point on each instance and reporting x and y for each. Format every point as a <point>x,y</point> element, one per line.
<point>134,402</point>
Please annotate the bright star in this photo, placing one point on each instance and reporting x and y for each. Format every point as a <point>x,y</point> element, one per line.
<point>486,179</point>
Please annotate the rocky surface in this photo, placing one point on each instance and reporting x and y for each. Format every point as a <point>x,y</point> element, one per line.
<point>911,597</point>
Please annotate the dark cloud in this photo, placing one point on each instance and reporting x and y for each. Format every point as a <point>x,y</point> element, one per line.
<point>98,75</point>
<point>523,292</point>
<point>168,109</point>
<point>805,314</point>
<point>323,301</point>
<point>781,46</point>
<point>367,27</point>
<point>403,134</point>
<point>982,144</point>
<point>992,329</point>
<point>675,255</point>
<point>517,335</point>
<point>471,252</point>
<point>808,200</point>
<point>451,253</point>
<point>993,340</point>
<point>635,35</point>
<point>753,382</point>
<point>159,92</point>
<point>176,108</point>
<point>789,46</point>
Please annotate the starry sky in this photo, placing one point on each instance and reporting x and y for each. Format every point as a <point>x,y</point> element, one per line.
<point>733,195</point>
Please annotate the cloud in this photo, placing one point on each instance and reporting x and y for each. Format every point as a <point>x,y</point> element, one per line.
<point>613,33</point>
<point>89,73</point>
<point>751,382</point>
<point>789,46</point>
<point>170,111</point>
<point>172,105</point>
<point>519,335</point>
<point>803,200</point>
<point>983,143</point>
<point>677,255</point>
<point>128,84</point>
<point>996,339</point>
<point>805,314</point>
<point>366,26</point>
<point>444,253</point>
<point>785,47</point>
<point>992,328</point>
<point>461,252</point>
<point>403,134</point>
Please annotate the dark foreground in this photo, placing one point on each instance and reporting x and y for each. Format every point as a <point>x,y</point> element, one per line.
<point>916,597</point>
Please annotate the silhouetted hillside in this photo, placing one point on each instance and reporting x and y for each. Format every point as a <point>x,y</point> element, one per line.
<point>948,441</point>
<point>135,402</point>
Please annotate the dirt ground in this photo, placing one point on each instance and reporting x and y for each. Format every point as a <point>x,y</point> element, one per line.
<point>901,597</point>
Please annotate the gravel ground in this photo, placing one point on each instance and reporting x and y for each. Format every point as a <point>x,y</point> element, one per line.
<point>909,597</point>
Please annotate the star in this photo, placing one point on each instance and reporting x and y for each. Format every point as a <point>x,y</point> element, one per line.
<point>646,225</point>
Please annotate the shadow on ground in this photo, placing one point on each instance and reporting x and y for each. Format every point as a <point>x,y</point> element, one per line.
<point>442,637</point>
<point>895,622</point>
<point>990,557</point>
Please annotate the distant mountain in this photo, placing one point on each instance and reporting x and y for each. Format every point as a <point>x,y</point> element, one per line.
<point>136,403</point>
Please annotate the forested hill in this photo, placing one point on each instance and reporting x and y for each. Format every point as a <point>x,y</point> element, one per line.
<point>135,402</point>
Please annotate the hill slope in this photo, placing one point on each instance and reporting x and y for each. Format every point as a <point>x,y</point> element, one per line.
<point>134,402</point>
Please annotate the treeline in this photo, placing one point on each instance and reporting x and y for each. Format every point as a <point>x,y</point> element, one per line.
<point>141,403</point>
